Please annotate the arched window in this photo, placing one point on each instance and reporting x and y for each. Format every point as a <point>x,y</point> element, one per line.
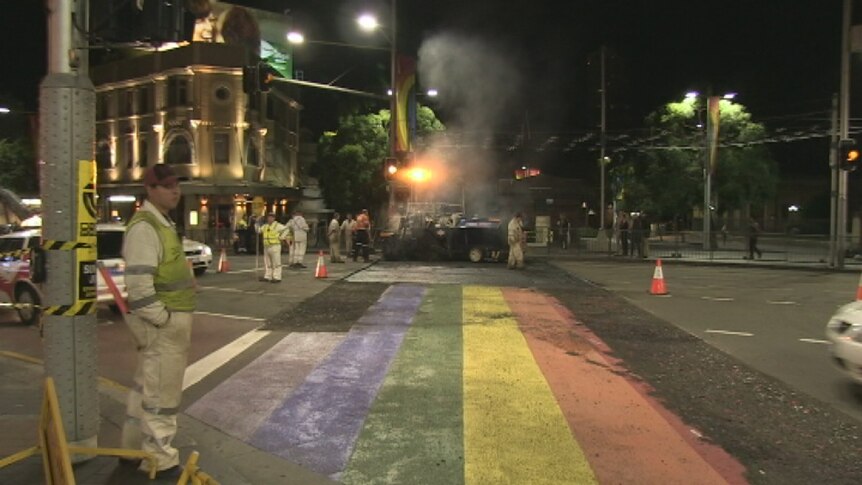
<point>103,155</point>
<point>179,151</point>
<point>253,158</point>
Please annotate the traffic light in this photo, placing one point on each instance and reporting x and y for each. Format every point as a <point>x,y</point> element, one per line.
<point>249,79</point>
<point>390,168</point>
<point>264,77</point>
<point>848,155</point>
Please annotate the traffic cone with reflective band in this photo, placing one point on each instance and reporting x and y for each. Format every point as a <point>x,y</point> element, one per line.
<point>658,287</point>
<point>859,289</point>
<point>320,271</point>
<point>223,264</point>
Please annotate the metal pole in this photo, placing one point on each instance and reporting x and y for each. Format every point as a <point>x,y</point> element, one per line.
<point>707,181</point>
<point>841,230</point>
<point>393,102</point>
<point>603,147</point>
<point>833,186</point>
<point>67,132</point>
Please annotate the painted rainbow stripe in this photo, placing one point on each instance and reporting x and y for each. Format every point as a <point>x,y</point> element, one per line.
<point>456,385</point>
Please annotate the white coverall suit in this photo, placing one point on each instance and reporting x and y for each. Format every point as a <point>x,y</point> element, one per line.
<point>273,234</point>
<point>162,338</point>
<point>516,241</point>
<point>300,239</point>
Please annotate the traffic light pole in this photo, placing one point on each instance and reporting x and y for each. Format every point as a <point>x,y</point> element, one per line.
<point>66,139</point>
<point>844,119</point>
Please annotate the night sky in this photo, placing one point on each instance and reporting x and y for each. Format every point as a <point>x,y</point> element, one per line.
<point>781,56</point>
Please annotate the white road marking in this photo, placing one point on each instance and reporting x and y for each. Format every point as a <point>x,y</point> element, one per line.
<point>235,317</point>
<point>781,302</point>
<point>814,341</point>
<point>728,332</point>
<point>205,366</point>
<point>716,298</point>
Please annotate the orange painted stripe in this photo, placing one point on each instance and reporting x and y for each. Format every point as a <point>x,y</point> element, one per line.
<point>627,436</point>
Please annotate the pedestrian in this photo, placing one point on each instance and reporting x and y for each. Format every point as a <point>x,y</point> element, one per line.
<point>299,228</point>
<point>161,296</point>
<point>753,232</point>
<point>334,236</point>
<point>637,234</point>
<point>362,236</point>
<point>273,233</point>
<point>347,232</point>
<point>516,241</point>
<point>563,228</point>
<point>624,232</point>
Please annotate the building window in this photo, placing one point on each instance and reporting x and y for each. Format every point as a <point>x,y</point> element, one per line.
<point>144,96</point>
<point>129,152</point>
<point>222,93</point>
<point>221,148</point>
<point>103,155</point>
<point>142,151</point>
<point>178,91</point>
<point>128,103</point>
<point>253,158</point>
<point>179,151</point>
<point>101,106</point>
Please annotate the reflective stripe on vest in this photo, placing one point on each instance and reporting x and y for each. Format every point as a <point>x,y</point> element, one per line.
<point>173,279</point>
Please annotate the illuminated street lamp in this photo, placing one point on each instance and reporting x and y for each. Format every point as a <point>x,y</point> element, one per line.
<point>4,110</point>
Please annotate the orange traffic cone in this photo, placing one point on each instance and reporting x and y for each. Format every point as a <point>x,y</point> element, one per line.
<point>223,264</point>
<point>658,287</point>
<point>859,289</point>
<point>320,271</point>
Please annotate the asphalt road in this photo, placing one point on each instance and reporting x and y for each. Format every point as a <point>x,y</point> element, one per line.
<point>771,319</point>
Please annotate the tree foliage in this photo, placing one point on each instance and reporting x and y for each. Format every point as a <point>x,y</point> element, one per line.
<point>666,179</point>
<point>350,160</point>
<point>18,166</point>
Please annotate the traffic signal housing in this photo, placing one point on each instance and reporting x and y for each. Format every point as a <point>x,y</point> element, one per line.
<point>849,156</point>
<point>390,167</point>
<point>258,77</point>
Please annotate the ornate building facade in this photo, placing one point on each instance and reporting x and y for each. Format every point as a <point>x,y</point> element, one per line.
<point>237,152</point>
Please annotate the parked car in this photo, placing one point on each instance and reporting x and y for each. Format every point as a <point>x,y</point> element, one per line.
<point>15,284</point>
<point>844,330</point>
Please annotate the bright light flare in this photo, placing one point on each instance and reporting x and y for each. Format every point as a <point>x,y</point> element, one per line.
<point>419,174</point>
<point>392,169</point>
<point>367,22</point>
<point>295,37</point>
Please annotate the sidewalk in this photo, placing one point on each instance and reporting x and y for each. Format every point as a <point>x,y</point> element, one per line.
<point>227,459</point>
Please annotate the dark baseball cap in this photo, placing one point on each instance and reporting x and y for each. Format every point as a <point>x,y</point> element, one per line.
<point>160,174</point>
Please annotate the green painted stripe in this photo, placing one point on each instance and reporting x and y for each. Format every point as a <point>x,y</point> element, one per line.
<point>514,431</point>
<point>413,433</point>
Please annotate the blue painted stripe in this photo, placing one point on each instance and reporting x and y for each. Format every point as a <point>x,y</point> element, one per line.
<point>318,424</point>
<point>238,405</point>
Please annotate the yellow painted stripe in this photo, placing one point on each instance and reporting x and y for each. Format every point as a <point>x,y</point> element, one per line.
<point>514,431</point>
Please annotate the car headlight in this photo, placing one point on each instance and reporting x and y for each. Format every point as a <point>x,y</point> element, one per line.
<point>207,251</point>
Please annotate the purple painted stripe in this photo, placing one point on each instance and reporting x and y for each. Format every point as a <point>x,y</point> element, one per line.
<point>318,424</point>
<point>238,405</point>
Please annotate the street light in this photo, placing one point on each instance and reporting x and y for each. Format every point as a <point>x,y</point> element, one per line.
<point>713,104</point>
<point>369,23</point>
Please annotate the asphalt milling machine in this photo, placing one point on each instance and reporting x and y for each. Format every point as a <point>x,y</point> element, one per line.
<point>437,232</point>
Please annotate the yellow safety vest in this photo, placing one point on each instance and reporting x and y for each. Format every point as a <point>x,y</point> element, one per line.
<point>270,235</point>
<point>173,280</point>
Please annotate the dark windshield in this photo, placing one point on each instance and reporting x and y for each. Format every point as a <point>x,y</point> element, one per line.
<point>110,244</point>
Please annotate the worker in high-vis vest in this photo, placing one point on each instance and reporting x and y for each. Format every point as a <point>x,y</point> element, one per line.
<point>161,297</point>
<point>273,234</point>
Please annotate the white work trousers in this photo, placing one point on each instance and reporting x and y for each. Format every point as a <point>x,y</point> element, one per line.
<point>272,262</point>
<point>153,404</point>
<point>516,255</point>
<point>299,247</point>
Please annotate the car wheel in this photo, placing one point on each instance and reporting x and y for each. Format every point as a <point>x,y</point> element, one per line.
<point>200,271</point>
<point>28,296</point>
<point>476,254</point>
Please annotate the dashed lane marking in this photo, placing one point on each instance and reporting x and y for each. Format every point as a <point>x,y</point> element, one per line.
<point>814,341</point>
<point>716,298</point>
<point>781,302</point>
<point>728,332</point>
<point>235,317</point>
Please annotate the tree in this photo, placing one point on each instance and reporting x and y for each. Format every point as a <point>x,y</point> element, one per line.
<point>18,166</point>
<point>665,177</point>
<point>350,160</point>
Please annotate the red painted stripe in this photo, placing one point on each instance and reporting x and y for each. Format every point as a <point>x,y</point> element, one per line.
<point>627,435</point>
